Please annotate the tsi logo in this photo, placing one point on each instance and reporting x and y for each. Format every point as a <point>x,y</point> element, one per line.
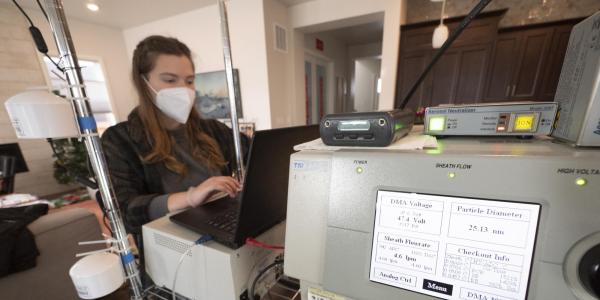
<point>298,164</point>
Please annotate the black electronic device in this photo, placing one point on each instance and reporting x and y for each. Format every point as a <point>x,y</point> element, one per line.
<point>13,150</point>
<point>370,129</point>
<point>263,200</point>
<point>11,163</point>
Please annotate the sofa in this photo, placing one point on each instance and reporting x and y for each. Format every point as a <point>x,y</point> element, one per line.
<point>56,235</point>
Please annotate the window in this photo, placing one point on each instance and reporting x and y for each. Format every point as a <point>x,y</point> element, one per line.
<point>96,87</point>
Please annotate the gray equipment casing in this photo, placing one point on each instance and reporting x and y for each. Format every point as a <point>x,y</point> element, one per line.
<point>578,91</point>
<point>331,207</point>
<point>210,271</point>
<point>486,119</point>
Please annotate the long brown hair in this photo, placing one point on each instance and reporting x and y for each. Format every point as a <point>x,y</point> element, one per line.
<point>204,148</point>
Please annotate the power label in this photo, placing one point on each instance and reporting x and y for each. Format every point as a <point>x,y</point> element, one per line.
<point>318,294</point>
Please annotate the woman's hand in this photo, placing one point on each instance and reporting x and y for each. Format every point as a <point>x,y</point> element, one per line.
<point>202,192</point>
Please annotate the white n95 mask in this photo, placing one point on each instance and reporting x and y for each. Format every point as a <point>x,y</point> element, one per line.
<point>176,103</point>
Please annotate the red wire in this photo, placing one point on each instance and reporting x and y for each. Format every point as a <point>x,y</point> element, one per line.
<point>255,243</point>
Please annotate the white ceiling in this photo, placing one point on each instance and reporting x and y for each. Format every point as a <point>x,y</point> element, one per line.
<point>124,13</point>
<point>129,13</point>
<point>358,34</point>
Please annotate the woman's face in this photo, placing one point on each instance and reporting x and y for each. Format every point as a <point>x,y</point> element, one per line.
<point>171,71</point>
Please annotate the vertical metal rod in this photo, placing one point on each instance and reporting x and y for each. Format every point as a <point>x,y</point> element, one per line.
<point>239,171</point>
<point>87,127</point>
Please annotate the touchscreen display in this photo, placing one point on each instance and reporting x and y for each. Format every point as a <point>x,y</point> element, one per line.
<point>452,247</point>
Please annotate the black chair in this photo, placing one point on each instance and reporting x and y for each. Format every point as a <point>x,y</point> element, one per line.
<point>11,163</point>
<point>7,174</point>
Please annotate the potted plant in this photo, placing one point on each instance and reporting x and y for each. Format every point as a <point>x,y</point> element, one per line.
<point>71,162</point>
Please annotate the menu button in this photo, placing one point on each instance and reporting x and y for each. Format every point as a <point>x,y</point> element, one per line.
<point>438,287</point>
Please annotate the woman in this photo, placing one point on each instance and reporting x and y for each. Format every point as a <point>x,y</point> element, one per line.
<point>165,157</point>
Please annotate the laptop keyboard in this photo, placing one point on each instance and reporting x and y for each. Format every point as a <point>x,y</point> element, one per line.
<point>226,221</point>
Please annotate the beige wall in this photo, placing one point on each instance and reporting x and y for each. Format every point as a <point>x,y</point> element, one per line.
<point>272,82</point>
<point>335,53</point>
<point>200,30</point>
<point>20,69</point>
<point>340,13</point>
<point>297,77</point>
<point>334,49</point>
<point>247,27</point>
<point>99,43</point>
<point>280,66</point>
<point>395,15</point>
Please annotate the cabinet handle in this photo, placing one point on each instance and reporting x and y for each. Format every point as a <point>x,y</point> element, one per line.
<point>514,87</point>
<point>507,93</point>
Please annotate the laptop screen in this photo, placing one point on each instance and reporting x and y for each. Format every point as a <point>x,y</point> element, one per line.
<point>266,185</point>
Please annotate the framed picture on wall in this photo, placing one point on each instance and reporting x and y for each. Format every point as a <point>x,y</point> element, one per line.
<point>212,101</point>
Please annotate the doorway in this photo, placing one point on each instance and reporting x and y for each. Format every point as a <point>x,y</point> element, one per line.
<point>316,77</point>
<point>355,55</point>
<point>92,72</point>
<point>367,84</point>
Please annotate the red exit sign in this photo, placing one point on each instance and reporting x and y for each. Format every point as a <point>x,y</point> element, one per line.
<point>319,45</point>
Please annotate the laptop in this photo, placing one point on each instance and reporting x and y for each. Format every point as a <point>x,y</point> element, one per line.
<point>262,202</point>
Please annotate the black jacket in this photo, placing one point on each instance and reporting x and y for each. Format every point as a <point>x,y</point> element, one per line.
<point>136,183</point>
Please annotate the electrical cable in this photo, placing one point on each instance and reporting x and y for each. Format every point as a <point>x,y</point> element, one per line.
<point>104,217</point>
<point>202,240</point>
<point>37,36</point>
<point>255,243</point>
<point>173,294</point>
<point>49,140</point>
<point>54,63</point>
<point>79,179</point>
<point>58,75</point>
<point>60,165</point>
<point>258,261</point>
<point>260,274</point>
<point>42,8</point>
<point>23,12</point>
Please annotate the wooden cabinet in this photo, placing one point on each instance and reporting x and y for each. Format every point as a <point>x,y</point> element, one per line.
<point>456,73</point>
<point>518,62</point>
<point>500,76</point>
<point>532,54</point>
<point>459,75</point>
<point>471,74</point>
<point>413,64</point>
<point>558,49</point>
<point>444,77</point>
<point>484,64</point>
